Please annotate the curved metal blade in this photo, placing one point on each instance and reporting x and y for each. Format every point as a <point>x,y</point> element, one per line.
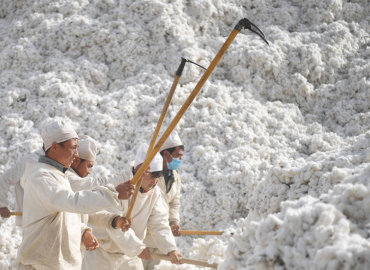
<point>247,24</point>
<point>187,60</point>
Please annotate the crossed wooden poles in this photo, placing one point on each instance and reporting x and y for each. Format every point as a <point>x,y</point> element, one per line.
<point>153,150</point>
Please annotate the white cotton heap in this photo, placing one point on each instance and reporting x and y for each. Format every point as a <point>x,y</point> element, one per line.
<point>277,141</point>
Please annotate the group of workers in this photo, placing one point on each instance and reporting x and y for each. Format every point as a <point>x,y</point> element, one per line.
<point>66,212</point>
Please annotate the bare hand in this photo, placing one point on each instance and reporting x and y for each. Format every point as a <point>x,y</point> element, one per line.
<point>89,241</point>
<point>125,190</point>
<point>145,254</point>
<point>4,212</point>
<point>175,228</point>
<point>175,255</point>
<point>123,223</point>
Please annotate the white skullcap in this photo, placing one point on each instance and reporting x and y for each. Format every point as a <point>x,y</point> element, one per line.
<point>58,131</point>
<point>172,141</point>
<point>87,147</point>
<point>157,162</point>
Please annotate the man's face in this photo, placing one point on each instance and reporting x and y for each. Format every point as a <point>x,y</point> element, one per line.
<point>148,182</point>
<point>167,157</point>
<point>83,168</point>
<point>67,153</point>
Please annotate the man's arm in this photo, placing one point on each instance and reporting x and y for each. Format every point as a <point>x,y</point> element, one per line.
<point>78,184</point>
<point>60,198</point>
<point>174,209</point>
<point>128,242</point>
<point>11,177</point>
<point>110,221</point>
<point>159,228</point>
<point>174,204</point>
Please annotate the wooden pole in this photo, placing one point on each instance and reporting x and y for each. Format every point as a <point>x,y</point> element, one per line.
<point>186,105</point>
<point>189,232</point>
<point>16,213</point>
<point>139,181</point>
<point>183,260</point>
<point>242,23</point>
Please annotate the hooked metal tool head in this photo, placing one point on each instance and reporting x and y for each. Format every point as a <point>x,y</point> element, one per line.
<point>247,24</point>
<point>187,60</point>
<point>182,65</point>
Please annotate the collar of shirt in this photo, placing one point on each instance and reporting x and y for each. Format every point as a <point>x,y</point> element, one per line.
<point>53,163</point>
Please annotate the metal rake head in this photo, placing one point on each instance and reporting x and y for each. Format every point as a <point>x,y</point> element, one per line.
<point>247,24</point>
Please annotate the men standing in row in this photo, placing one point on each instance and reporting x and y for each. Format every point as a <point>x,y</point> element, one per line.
<point>51,225</point>
<point>121,251</point>
<point>170,187</point>
<point>76,174</point>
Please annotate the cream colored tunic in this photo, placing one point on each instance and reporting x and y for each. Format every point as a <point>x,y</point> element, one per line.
<point>171,202</point>
<point>118,250</point>
<point>51,224</point>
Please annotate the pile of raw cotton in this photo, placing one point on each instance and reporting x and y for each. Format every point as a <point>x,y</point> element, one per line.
<point>277,142</point>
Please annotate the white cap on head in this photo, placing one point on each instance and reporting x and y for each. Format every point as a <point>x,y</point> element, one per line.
<point>87,147</point>
<point>58,131</point>
<point>172,141</point>
<point>157,162</point>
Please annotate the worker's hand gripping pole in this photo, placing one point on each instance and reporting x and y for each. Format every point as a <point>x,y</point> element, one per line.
<point>138,180</point>
<point>243,23</point>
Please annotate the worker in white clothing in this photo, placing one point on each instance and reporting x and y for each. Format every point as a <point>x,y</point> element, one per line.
<point>50,221</point>
<point>80,167</point>
<point>169,184</point>
<point>123,251</point>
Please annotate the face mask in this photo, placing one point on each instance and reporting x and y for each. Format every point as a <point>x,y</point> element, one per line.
<point>174,164</point>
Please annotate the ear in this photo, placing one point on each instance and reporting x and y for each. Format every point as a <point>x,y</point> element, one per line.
<point>54,147</point>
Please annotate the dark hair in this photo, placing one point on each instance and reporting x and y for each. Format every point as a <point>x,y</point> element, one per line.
<point>171,150</point>
<point>156,174</point>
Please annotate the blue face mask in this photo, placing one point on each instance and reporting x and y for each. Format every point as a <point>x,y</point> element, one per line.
<point>174,164</point>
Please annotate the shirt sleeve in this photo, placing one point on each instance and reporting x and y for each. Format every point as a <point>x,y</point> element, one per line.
<point>159,228</point>
<point>59,197</point>
<point>12,176</point>
<point>78,184</point>
<point>102,219</point>
<point>127,241</point>
<point>174,204</point>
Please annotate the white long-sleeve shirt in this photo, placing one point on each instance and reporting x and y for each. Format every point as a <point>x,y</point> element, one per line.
<point>51,224</point>
<point>171,202</point>
<point>117,247</point>
<point>13,177</point>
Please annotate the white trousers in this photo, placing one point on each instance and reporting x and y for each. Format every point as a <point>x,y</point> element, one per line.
<point>99,259</point>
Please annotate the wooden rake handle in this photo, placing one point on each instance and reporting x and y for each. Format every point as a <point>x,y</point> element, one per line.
<point>183,260</point>
<point>190,232</point>
<point>186,105</point>
<point>138,180</point>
